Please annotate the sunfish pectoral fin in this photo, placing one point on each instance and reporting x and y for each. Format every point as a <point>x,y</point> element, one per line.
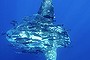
<point>46,9</point>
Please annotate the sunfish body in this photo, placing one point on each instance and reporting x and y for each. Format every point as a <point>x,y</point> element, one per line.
<point>39,34</point>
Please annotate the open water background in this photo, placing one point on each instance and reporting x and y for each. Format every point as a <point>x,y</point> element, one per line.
<point>74,14</point>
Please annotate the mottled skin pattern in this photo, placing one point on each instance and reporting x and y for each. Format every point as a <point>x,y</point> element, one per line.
<point>39,34</point>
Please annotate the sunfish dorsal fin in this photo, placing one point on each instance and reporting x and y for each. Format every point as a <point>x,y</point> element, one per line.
<point>46,9</point>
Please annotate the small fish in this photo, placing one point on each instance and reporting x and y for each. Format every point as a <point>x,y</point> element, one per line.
<point>61,25</point>
<point>22,39</point>
<point>26,42</point>
<point>47,16</point>
<point>14,23</point>
<point>3,33</point>
<point>39,51</point>
<point>47,45</point>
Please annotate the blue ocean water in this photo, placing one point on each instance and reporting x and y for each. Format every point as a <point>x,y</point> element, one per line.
<point>74,14</point>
